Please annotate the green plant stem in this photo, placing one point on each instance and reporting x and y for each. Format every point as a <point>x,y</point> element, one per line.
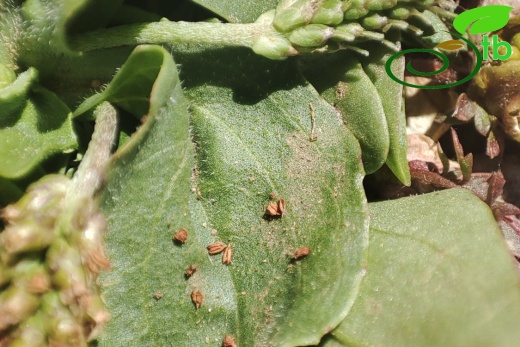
<point>90,173</point>
<point>228,34</point>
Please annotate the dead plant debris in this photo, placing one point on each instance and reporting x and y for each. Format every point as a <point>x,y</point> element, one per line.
<point>197,297</point>
<point>301,252</point>
<point>229,341</point>
<point>181,236</point>
<point>216,248</point>
<point>226,257</point>
<point>190,271</point>
<point>275,209</point>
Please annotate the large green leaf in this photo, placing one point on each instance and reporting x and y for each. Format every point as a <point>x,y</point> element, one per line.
<point>238,11</point>
<point>252,139</point>
<point>34,125</point>
<point>439,274</point>
<point>248,126</point>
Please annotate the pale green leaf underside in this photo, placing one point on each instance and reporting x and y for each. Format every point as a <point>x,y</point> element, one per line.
<point>439,274</point>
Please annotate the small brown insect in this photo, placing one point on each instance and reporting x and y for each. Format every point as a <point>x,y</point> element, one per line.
<point>95,84</point>
<point>226,257</point>
<point>158,295</point>
<point>190,271</point>
<point>275,209</point>
<point>181,236</point>
<point>229,341</point>
<point>301,252</point>
<point>216,248</point>
<point>197,298</point>
<point>272,196</point>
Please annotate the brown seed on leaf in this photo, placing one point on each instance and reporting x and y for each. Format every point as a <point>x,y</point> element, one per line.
<point>190,271</point>
<point>158,295</point>
<point>229,341</point>
<point>275,209</point>
<point>301,253</point>
<point>181,235</point>
<point>272,209</point>
<point>281,206</point>
<point>216,248</point>
<point>226,257</point>
<point>197,298</point>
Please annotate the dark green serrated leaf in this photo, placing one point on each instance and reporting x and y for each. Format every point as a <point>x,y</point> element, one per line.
<point>439,274</point>
<point>341,80</point>
<point>252,124</point>
<point>238,11</point>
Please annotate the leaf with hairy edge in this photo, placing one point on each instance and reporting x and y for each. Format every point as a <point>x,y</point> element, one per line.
<point>439,274</point>
<point>238,11</point>
<point>253,125</point>
<point>131,87</point>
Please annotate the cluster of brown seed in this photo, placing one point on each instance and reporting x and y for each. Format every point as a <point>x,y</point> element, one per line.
<point>181,236</point>
<point>273,209</point>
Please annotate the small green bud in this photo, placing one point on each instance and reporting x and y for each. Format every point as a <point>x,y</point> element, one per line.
<point>397,24</point>
<point>399,13</point>
<point>355,13</point>
<point>63,327</point>
<point>31,275</point>
<point>378,5</point>
<point>374,22</point>
<point>32,333</point>
<point>266,17</point>
<point>356,9</point>
<point>5,274</point>
<point>16,304</point>
<point>312,35</point>
<point>347,32</point>
<point>274,47</point>
<point>25,237</point>
<point>371,35</point>
<point>330,13</point>
<point>294,16</point>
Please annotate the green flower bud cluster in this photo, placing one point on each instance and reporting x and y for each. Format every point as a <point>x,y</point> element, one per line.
<point>330,25</point>
<point>51,251</point>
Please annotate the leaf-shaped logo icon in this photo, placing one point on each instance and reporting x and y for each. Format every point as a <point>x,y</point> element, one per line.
<point>451,45</point>
<point>483,19</point>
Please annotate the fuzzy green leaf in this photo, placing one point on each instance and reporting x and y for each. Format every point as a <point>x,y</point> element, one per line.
<point>238,11</point>
<point>34,125</point>
<point>252,139</point>
<point>439,274</point>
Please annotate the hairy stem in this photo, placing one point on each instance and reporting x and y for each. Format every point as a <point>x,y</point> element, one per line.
<point>228,34</point>
<point>90,173</point>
